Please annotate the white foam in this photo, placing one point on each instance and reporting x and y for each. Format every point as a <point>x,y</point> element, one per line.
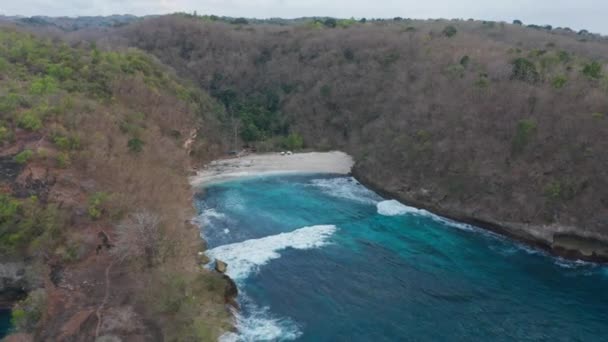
<point>346,187</point>
<point>561,262</point>
<point>244,258</point>
<point>260,325</point>
<point>395,208</point>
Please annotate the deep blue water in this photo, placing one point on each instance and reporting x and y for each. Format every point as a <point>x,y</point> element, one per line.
<point>5,322</point>
<point>408,277</point>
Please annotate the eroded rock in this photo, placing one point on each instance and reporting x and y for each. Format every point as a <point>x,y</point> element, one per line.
<point>221,266</point>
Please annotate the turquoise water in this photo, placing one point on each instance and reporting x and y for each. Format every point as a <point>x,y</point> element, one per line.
<point>5,322</point>
<point>320,258</point>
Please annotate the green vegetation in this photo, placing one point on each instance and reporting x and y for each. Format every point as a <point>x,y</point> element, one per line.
<point>560,190</point>
<point>293,142</point>
<point>25,223</point>
<point>181,297</point>
<point>89,111</point>
<point>27,313</point>
<point>30,121</point>
<point>525,130</point>
<point>24,156</point>
<point>96,202</point>
<point>559,81</point>
<point>135,145</point>
<point>593,70</point>
<point>449,31</point>
<point>524,70</point>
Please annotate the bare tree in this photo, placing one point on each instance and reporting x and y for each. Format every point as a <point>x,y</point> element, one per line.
<point>139,236</point>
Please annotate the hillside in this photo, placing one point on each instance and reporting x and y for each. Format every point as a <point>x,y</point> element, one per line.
<point>95,150</point>
<point>500,125</point>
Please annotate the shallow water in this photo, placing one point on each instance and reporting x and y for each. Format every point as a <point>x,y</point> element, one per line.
<point>320,258</point>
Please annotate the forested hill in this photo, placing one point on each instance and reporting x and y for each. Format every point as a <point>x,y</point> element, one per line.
<point>95,150</point>
<point>499,124</point>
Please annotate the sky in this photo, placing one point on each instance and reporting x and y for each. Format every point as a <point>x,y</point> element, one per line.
<point>576,14</point>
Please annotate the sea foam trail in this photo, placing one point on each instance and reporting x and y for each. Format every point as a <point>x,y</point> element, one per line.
<point>395,208</point>
<point>246,257</point>
<point>347,188</point>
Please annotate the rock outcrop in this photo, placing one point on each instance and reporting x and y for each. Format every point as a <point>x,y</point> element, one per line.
<point>221,266</point>
<point>13,282</point>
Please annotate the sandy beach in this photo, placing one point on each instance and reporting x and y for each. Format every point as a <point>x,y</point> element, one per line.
<point>273,164</point>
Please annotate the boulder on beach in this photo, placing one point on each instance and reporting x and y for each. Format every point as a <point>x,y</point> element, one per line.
<point>220,266</point>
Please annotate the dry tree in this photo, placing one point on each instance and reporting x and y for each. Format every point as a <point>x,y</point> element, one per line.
<point>139,236</point>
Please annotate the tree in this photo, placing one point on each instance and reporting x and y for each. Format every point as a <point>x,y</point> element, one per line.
<point>517,22</point>
<point>139,236</point>
<point>593,70</point>
<point>240,21</point>
<point>525,70</point>
<point>330,22</point>
<point>450,31</point>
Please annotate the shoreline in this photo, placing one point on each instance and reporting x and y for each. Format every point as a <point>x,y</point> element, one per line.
<point>272,164</point>
<point>521,233</point>
<point>567,244</point>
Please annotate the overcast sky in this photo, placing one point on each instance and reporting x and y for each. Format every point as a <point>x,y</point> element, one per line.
<point>576,14</point>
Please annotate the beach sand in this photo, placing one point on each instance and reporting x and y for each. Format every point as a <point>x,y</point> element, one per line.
<point>273,164</point>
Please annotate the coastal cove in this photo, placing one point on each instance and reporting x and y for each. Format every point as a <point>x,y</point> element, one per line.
<point>346,252</point>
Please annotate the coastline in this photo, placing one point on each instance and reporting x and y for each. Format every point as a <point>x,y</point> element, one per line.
<point>269,164</point>
<point>568,244</point>
<point>558,241</point>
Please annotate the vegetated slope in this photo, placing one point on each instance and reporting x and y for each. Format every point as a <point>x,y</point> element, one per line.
<point>492,123</point>
<point>95,149</point>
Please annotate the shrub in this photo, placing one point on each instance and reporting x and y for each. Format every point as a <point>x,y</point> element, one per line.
<point>465,60</point>
<point>482,81</point>
<point>449,31</point>
<point>560,190</point>
<point>349,54</point>
<point>455,71</point>
<point>330,22</point>
<point>4,133</point>
<point>326,90</point>
<point>24,156</point>
<point>592,70</point>
<point>293,141</point>
<point>96,202</point>
<point>44,85</point>
<point>525,129</point>
<point>63,160</point>
<point>564,56</point>
<point>598,115</point>
<point>559,81</point>
<point>29,120</point>
<point>66,143</point>
<point>135,145</point>
<point>27,313</point>
<point>524,70</point>
<point>240,21</point>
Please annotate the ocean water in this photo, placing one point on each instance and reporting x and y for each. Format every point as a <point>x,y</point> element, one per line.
<point>322,258</point>
<point>5,322</point>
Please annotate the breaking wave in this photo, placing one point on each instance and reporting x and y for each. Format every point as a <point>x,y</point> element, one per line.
<point>347,188</point>
<point>244,258</point>
<point>258,324</point>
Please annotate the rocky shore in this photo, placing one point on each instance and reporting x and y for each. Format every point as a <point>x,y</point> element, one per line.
<point>558,240</point>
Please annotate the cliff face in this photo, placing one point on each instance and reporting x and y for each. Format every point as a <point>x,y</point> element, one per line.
<point>497,124</point>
